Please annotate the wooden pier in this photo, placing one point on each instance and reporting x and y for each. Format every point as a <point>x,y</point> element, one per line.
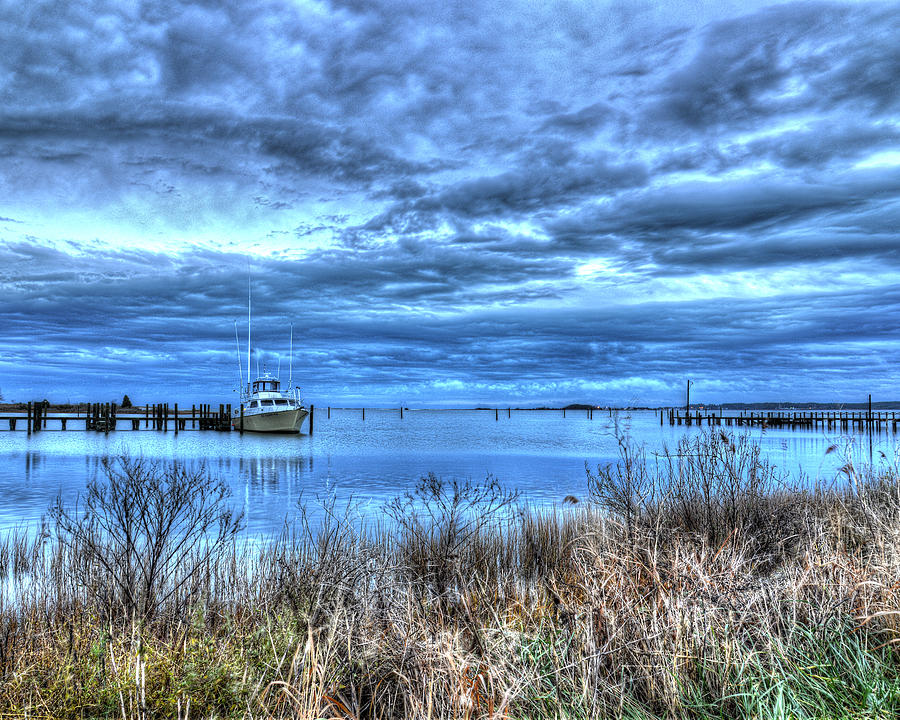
<point>836,420</point>
<point>105,417</point>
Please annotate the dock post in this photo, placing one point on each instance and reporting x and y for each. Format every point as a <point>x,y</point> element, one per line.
<point>401,412</point>
<point>509,412</point>
<point>220,421</point>
<point>364,413</point>
<point>496,414</point>
<point>176,418</point>
<point>242,419</point>
<point>228,423</point>
<point>869,418</point>
<point>312,415</point>
<point>193,415</point>
<point>329,412</point>
<point>29,418</point>
<point>564,412</point>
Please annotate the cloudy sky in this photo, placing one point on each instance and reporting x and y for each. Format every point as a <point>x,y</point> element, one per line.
<point>483,202</point>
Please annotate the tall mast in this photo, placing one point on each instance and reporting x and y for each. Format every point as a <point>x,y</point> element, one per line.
<point>248,325</point>
<point>291,361</point>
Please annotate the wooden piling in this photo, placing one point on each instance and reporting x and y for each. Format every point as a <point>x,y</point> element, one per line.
<point>364,413</point>
<point>329,412</point>
<point>29,418</point>
<point>496,414</point>
<point>176,418</point>
<point>312,416</point>
<point>242,418</point>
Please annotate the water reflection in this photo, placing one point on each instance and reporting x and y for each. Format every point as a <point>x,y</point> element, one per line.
<point>542,454</point>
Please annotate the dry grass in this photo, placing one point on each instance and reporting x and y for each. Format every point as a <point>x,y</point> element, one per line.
<point>697,584</point>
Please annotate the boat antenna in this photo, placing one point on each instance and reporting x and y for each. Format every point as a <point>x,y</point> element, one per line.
<point>248,323</point>
<point>291,360</point>
<point>240,366</point>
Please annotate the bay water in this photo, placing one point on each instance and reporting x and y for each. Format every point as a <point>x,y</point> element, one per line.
<point>367,462</point>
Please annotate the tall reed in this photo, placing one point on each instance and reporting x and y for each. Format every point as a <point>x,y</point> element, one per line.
<point>696,583</point>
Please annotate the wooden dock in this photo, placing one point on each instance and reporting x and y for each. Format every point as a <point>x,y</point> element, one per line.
<point>105,417</point>
<point>863,420</point>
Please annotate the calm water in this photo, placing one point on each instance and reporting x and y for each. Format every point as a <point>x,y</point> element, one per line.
<point>539,453</point>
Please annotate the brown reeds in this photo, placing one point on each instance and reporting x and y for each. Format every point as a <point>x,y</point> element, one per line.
<point>697,583</point>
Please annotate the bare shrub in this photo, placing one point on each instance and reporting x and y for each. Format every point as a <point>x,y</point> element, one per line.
<point>441,526</point>
<point>714,487</point>
<point>320,564</point>
<point>867,521</point>
<point>144,534</point>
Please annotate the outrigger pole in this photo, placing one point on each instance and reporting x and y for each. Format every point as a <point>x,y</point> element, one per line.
<point>240,366</point>
<point>248,325</point>
<point>291,361</point>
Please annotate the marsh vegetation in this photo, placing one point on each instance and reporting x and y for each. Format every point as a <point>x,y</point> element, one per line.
<point>696,583</point>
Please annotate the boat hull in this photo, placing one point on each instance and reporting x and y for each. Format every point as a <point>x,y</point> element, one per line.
<point>281,421</point>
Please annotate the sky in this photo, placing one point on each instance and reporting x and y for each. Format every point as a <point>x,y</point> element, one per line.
<point>454,203</point>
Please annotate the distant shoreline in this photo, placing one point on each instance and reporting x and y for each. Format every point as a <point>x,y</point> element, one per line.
<point>798,406</point>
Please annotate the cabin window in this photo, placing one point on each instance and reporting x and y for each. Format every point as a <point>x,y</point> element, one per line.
<point>281,401</point>
<point>254,403</point>
<point>269,403</point>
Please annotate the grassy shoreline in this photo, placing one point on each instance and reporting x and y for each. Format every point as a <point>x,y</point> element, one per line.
<point>696,584</point>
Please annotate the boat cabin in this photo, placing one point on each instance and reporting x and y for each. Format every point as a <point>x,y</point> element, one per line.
<point>265,385</point>
<point>274,402</point>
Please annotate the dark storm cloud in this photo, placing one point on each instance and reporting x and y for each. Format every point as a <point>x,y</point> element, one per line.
<point>823,142</point>
<point>784,60</point>
<point>541,346</point>
<point>480,194</point>
<point>744,223</point>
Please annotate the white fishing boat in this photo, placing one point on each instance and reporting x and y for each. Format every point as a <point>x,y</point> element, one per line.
<point>265,406</point>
